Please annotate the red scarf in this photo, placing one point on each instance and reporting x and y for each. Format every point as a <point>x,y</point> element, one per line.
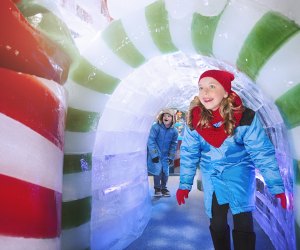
<point>215,134</point>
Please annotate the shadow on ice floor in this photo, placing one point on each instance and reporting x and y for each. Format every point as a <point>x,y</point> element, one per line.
<point>184,227</point>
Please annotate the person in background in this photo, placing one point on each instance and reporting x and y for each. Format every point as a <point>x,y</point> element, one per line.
<point>179,124</point>
<point>161,148</point>
<point>228,141</point>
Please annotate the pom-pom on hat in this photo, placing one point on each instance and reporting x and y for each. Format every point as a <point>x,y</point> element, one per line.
<point>223,77</point>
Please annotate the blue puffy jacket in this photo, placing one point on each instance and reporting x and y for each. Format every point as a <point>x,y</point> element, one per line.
<point>162,142</point>
<point>229,170</point>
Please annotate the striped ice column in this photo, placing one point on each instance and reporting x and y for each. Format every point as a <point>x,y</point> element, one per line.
<point>33,114</point>
<point>32,121</point>
<point>82,115</point>
<point>255,40</point>
<point>89,89</point>
<point>84,109</point>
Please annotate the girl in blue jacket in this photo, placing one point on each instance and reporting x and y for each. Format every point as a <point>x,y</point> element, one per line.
<point>162,143</point>
<point>227,140</point>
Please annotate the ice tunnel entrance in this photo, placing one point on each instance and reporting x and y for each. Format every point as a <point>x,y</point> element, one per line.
<point>119,166</point>
<point>266,55</point>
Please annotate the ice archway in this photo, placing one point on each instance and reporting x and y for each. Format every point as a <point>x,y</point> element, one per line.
<point>262,44</point>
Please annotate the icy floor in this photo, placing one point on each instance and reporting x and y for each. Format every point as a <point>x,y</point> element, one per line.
<point>182,227</point>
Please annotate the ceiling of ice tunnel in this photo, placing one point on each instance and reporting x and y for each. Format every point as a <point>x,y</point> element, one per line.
<point>171,81</point>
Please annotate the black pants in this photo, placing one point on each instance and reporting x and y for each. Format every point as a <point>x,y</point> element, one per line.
<point>242,222</point>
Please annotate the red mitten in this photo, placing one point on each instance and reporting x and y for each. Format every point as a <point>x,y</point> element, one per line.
<point>181,195</point>
<point>282,198</point>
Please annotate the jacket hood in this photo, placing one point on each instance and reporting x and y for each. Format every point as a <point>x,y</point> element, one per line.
<point>171,112</point>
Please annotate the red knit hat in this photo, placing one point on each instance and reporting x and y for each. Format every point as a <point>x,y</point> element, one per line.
<point>223,77</point>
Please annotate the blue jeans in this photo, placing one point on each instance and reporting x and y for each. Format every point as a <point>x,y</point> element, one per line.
<point>160,181</point>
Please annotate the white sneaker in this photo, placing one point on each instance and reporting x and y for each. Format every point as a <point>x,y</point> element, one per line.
<point>165,192</point>
<point>157,193</point>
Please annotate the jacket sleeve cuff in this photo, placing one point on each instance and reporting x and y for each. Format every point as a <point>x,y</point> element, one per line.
<point>276,190</point>
<point>185,186</point>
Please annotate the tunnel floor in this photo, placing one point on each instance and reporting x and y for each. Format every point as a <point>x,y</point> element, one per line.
<point>183,227</point>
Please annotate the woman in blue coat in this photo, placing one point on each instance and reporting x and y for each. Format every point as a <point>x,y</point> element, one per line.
<point>227,140</point>
<point>161,146</point>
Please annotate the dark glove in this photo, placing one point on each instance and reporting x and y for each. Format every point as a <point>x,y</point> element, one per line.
<point>155,159</point>
<point>181,195</point>
<point>170,161</point>
<point>282,198</point>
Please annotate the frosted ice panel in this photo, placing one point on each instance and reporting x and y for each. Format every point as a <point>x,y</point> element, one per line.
<point>124,120</point>
<point>121,201</point>
<point>273,219</point>
<point>251,97</point>
<point>117,232</point>
<point>270,115</point>
<point>116,171</point>
<point>133,102</point>
<point>278,137</point>
<point>110,143</point>
<point>114,201</point>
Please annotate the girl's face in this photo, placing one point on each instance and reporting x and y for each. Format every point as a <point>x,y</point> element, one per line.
<point>167,120</point>
<point>211,93</point>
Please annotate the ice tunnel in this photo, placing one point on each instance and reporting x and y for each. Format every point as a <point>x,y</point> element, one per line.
<point>74,123</point>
